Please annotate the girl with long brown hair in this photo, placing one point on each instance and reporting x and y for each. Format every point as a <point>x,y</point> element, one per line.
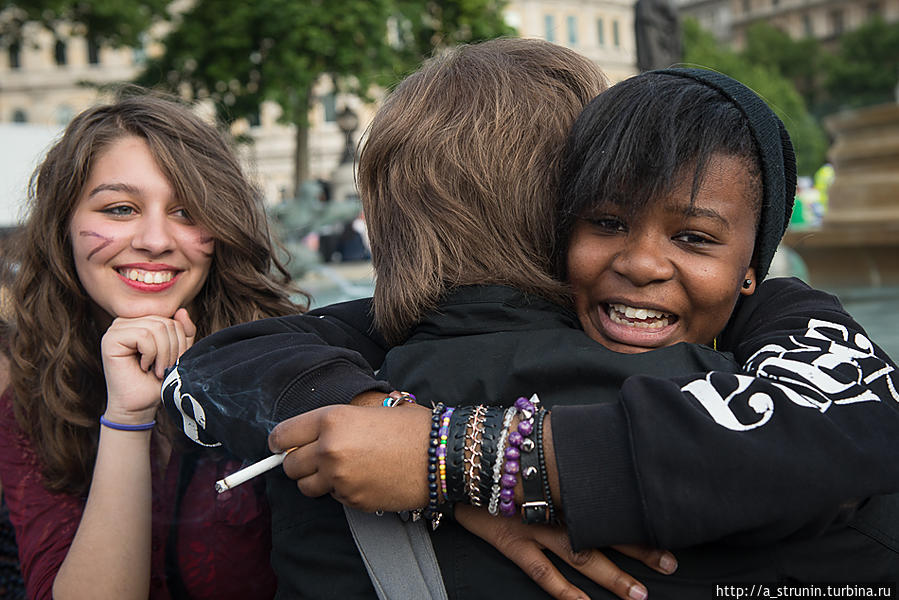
<point>142,234</point>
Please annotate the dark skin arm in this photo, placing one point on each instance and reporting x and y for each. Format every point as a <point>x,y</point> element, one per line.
<point>332,458</point>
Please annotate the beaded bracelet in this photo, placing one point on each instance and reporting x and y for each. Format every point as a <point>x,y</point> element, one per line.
<point>511,468</point>
<point>441,449</point>
<point>124,427</point>
<point>520,444</point>
<point>493,505</point>
<point>432,512</point>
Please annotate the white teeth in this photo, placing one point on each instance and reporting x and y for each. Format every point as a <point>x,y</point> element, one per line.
<point>621,313</point>
<point>155,277</point>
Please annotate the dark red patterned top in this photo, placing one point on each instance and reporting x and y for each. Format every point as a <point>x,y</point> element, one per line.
<point>223,541</point>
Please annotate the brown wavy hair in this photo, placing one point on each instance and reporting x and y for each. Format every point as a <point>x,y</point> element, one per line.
<point>460,172</point>
<point>54,343</point>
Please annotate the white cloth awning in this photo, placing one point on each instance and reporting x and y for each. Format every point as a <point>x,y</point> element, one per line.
<point>22,147</point>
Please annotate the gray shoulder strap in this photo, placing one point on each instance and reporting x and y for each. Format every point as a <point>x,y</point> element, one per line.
<point>398,555</point>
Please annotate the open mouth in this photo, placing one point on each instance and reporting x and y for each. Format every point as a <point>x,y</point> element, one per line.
<point>640,318</point>
<point>147,277</point>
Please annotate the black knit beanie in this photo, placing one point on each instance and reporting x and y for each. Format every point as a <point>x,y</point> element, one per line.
<point>778,161</point>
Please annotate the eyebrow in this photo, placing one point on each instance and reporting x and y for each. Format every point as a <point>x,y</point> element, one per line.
<point>699,211</point>
<point>115,187</point>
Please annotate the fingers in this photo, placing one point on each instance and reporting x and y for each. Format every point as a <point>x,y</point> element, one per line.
<point>592,563</point>
<point>156,342</point>
<point>335,455</point>
<point>310,462</point>
<point>661,560</point>
<point>302,462</point>
<point>298,431</point>
<point>190,330</point>
<point>536,565</point>
<point>515,541</point>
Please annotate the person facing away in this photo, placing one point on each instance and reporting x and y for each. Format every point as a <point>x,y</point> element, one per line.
<point>582,503</point>
<point>142,235</point>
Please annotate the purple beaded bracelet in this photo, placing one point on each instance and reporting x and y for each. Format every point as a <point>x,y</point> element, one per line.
<point>518,440</point>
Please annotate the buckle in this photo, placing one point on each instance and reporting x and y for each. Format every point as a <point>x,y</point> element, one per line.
<point>535,512</point>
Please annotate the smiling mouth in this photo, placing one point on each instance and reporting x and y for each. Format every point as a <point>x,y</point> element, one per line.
<point>640,318</point>
<point>148,277</point>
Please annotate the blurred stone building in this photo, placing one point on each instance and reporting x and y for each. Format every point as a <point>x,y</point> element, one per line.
<point>824,20</point>
<point>42,84</point>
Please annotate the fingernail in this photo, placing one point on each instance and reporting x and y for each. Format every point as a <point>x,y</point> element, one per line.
<point>668,563</point>
<point>637,592</point>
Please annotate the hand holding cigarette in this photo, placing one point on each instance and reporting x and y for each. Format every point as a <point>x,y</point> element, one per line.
<point>251,471</point>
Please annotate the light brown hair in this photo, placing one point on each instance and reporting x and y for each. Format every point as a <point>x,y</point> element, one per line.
<point>460,172</point>
<point>52,338</point>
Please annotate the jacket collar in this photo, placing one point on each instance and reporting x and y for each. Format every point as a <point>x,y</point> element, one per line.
<point>477,309</point>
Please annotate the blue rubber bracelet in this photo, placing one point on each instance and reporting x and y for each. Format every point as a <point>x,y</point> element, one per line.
<point>123,427</point>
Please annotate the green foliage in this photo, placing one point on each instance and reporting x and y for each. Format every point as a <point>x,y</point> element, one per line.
<point>425,26</point>
<point>771,47</point>
<point>865,69</point>
<point>801,61</point>
<point>702,50</point>
<point>240,54</point>
<point>108,22</point>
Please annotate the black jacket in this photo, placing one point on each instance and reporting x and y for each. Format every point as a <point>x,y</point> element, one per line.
<point>672,462</point>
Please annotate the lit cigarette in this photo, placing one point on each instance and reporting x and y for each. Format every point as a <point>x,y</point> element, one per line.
<point>251,471</point>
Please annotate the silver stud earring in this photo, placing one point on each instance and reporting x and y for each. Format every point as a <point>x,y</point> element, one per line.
<point>747,284</point>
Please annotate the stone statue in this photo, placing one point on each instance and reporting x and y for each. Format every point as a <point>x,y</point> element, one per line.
<point>658,34</point>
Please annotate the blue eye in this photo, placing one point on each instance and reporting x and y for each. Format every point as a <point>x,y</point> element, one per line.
<point>121,210</point>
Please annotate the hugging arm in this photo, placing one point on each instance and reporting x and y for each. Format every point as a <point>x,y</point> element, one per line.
<point>639,460</point>
<point>234,386</point>
<point>802,429</point>
<point>808,425</point>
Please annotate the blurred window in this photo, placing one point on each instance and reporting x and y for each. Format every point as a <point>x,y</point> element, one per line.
<point>93,52</point>
<point>836,22</point>
<point>329,104</point>
<point>572,30</point>
<point>549,23</point>
<point>59,53</point>
<point>15,55</point>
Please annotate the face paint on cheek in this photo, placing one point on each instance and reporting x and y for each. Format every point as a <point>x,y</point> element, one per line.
<point>204,240</point>
<point>104,243</point>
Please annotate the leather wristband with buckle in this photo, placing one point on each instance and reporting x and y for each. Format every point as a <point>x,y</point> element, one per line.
<point>534,509</point>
